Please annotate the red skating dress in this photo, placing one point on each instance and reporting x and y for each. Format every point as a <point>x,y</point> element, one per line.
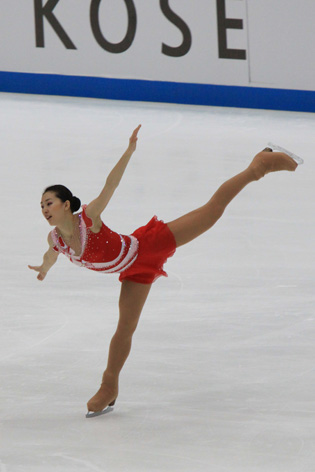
<point>138,257</point>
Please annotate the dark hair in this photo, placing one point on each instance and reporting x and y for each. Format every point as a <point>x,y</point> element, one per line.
<point>64,194</point>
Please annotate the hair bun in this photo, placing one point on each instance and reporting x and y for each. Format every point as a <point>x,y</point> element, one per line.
<point>75,204</point>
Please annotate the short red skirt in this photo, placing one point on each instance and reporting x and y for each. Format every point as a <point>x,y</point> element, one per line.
<point>156,245</point>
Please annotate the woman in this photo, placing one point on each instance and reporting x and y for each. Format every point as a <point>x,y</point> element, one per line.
<point>139,258</point>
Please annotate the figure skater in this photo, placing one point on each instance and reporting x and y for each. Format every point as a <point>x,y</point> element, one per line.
<point>138,258</point>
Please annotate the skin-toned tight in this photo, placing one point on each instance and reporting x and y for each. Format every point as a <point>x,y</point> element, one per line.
<point>185,229</point>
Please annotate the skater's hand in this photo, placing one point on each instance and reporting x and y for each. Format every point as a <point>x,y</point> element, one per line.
<point>133,139</point>
<point>41,273</point>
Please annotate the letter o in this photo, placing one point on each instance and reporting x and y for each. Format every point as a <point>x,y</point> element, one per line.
<point>123,45</point>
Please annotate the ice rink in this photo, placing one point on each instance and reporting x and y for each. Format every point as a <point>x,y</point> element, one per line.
<point>221,377</point>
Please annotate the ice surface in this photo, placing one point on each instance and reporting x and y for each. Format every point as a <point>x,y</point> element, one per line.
<point>221,375</point>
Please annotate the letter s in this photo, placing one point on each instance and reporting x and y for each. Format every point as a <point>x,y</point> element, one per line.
<point>177,21</point>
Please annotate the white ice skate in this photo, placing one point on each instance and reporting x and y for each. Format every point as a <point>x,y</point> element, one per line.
<point>296,158</point>
<point>93,414</point>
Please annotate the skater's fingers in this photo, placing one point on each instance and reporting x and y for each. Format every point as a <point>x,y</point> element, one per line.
<point>41,274</point>
<point>134,135</point>
<point>37,268</point>
<point>135,131</point>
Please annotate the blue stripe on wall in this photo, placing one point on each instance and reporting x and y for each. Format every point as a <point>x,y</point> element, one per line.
<point>155,91</point>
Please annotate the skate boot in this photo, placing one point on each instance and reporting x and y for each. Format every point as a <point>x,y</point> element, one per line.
<point>104,398</point>
<point>268,161</point>
<point>275,147</point>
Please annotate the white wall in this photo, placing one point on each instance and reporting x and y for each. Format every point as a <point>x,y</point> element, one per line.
<point>277,36</point>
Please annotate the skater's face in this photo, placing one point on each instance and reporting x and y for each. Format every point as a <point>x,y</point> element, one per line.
<point>54,209</point>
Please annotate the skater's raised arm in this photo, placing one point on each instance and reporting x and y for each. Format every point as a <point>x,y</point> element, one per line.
<point>49,259</point>
<point>97,206</point>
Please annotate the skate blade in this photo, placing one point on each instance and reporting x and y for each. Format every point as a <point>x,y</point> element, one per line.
<point>93,414</point>
<point>296,158</point>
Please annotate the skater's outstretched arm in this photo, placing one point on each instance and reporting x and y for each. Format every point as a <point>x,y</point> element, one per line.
<point>49,259</point>
<point>97,206</point>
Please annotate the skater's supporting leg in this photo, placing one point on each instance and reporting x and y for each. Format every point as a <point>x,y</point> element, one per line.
<point>193,224</point>
<point>131,302</point>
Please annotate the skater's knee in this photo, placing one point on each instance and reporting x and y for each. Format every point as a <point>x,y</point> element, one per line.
<point>126,328</point>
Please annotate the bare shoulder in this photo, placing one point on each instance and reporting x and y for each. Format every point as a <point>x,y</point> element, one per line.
<point>95,218</point>
<point>52,253</point>
<point>50,240</point>
<point>97,224</point>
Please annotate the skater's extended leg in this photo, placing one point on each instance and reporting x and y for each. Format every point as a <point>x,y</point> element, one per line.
<point>131,302</point>
<point>193,224</point>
